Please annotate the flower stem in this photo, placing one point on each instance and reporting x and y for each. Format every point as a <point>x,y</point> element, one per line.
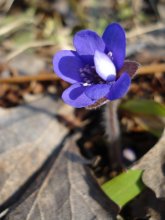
<point>112,129</point>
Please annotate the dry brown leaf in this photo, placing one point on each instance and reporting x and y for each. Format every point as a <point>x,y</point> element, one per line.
<point>68,192</point>
<point>28,135</point>
<point>153,164</point>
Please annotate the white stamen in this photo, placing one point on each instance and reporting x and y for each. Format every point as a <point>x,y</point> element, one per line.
<point>86,84</point>
<point>109,54</point>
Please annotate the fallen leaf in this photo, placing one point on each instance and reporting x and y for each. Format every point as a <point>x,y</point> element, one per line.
<point>68,191</point>
<point>153,164</point>
<point>28,135</point>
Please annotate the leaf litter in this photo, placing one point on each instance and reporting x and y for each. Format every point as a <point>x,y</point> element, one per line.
<point>67,192</point>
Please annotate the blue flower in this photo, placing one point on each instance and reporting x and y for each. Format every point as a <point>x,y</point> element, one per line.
<point>96,69</point>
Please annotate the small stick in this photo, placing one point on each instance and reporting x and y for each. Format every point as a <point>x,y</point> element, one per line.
<point>24,79</point>
<point>151,69</point>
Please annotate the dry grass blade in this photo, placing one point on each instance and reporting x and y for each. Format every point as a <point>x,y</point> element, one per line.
<point>144,30</point>
<point>15,25</point>
<point>26,47</point>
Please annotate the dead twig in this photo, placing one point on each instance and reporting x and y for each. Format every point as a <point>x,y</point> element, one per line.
<point>152,69</point>
<point>24,79</point>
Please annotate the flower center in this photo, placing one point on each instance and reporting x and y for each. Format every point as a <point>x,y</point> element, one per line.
<point>89,76</point>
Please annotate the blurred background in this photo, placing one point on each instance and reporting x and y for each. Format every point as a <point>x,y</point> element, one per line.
<point>31,31</point>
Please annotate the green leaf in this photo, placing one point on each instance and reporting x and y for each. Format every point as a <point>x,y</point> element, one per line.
<point>124,187</point>
<point>150,123</point>
<point>144,106</point>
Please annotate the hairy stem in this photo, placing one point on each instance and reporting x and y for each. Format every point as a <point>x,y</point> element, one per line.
<point>112,129</point>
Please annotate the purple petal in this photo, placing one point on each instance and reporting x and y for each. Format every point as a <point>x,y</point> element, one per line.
<point>67,65</point>
<point>97,91</point>
<point>120,87</point>
<point>130,67</point>
<point>114,38</point>
<point>87,42</point>
<point>76,97</point>
<point>104,66</point>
